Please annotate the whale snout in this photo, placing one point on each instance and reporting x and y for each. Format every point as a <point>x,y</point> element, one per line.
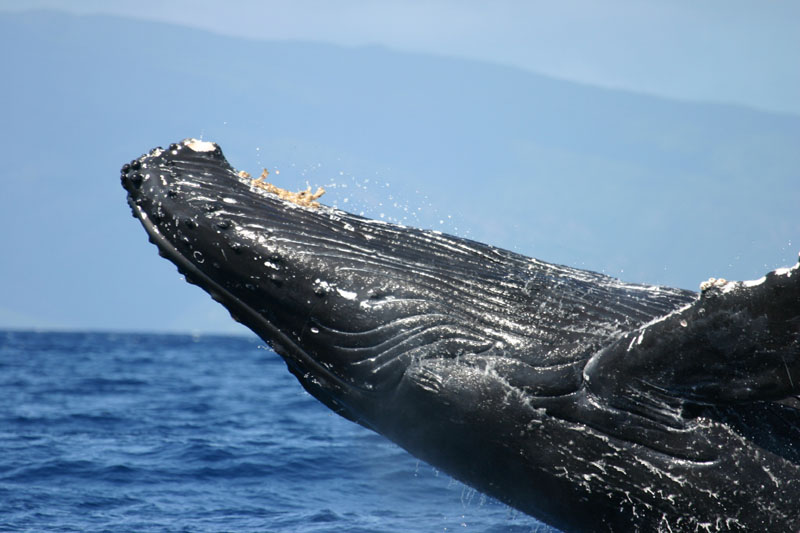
<point>160,183</point>
<point>294,274</point>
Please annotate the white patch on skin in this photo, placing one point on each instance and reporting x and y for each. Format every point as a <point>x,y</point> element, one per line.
<point>229,200</point>
<point>728,286</point>
<point>326,286</point>
<point>200,146</point>
<point>633,341</point>
<point>347,295</point>
<point>202,199</point>
<point>754,282</point>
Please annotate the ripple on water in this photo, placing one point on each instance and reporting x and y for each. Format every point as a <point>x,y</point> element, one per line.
<point>115,432</point>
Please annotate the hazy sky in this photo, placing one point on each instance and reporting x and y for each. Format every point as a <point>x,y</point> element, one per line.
<point>734,51</point>
<point>711,190</point>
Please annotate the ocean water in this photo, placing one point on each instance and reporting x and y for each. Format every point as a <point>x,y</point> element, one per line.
<point>130,432</point>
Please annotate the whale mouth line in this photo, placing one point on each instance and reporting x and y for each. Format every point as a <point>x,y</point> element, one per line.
<point>303,361</point>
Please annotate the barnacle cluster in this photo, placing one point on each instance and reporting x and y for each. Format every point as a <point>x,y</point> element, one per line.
<point>302,198</point>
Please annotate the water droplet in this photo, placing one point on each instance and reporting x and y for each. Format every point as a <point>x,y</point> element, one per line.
<point>198,256</point>
<point>314,330</point>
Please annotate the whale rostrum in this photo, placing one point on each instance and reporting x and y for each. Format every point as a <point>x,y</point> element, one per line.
<point>589,403</point>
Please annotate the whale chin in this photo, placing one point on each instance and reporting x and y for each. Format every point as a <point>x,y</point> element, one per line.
<point>593,404</point>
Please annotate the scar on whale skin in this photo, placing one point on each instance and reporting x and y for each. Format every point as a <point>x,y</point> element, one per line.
<point>590,403</point>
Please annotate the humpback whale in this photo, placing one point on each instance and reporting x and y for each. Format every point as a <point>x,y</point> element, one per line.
<point>589,403</point>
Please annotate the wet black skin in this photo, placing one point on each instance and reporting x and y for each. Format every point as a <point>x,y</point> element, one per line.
<point>589,403</point>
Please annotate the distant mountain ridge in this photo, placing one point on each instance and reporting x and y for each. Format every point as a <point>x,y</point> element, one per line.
<point>643,188</point>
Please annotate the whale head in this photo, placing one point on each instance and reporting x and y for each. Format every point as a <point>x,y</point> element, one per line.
<point>417,335</point>
<point>294,275</point>
<point>557,390</point>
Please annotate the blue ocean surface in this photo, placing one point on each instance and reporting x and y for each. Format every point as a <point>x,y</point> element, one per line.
<point>132,432</point>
